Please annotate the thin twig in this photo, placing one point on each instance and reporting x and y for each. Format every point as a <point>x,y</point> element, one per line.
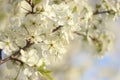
<point>103,12</point>
<point>16,59</point>
<point>80,34</point>
<point>17,53</point>
<point>57,28</point>
<point>4,60</point>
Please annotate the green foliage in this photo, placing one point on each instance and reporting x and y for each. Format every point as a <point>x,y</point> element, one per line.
<point>45,72</point>
<point>74,9</point>
<point>37,1</point>
<point>98,6</point>
<point>99,46</point>
<point>39,9</point>
<point>56,1</point>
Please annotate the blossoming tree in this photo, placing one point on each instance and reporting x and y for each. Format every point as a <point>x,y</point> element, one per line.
<point>35,32</point>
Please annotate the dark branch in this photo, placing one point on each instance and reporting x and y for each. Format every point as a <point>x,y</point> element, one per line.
<point>25,47</point>
<point>80,34</point>
<point>16,59</point>
<point>5,60</point>
<point>103,12</point>
<point>17,53</point>
<point>10,58</point>
<point>57,28</point>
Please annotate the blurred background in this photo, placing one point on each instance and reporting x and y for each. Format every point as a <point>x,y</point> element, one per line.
<point>82,65</point>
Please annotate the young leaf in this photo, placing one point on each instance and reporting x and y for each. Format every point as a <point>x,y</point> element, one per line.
<point>74,9</point>
<point>45,72</point>
<point>37,1</point>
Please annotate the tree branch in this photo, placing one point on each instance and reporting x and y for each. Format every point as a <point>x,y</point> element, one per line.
<point>17,53</point>
<point>16,59</point>
<point>103,12</point>
<point>83,35</point>
<point>80,34</point>
<point>5,60</point>
<point>10,58</point>
<point>57,28</point>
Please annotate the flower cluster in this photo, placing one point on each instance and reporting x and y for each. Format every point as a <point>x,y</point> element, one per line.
<point>34,31</point>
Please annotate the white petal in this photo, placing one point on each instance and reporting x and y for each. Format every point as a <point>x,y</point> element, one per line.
<point>2,45</point>
<point>32,52</point>
<point>27,72</point>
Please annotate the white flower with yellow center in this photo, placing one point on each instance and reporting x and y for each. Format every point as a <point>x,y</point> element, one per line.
<point>8,46</point>
<point>29,57</point>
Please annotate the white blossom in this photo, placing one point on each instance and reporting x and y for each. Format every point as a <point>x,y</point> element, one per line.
<point>8,46</point>
<point>41,30</point>
<point>29,57</point>
<point>27,72</point>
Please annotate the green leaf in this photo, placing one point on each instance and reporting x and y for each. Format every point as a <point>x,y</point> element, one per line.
<point>74,9</point>
<point>98,6</point>
<point>39,9</point>
<point>99,47</point>
<point>47,75</point>
<point>56,1</point>
<point>45,72</point>
<point>37,1</point>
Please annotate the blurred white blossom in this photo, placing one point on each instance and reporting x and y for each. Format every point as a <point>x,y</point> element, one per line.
<point>31,58</point>
<point>40,31</point>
